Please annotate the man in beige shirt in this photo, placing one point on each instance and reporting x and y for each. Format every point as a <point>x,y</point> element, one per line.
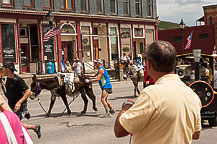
<point>167,112</point>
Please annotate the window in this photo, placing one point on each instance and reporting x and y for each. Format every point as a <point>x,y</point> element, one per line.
<point>23,32</point>
<point>67,28</point>
<point>125,32</point>
<point>177,39</point>
<point>8,42</point>
<point>85,30</point>
<point>150,8</point>
<point>138,32</point>
<point>113,6</point>
<point>28,3</point>
<point>114,43</point>
<point>99,5</point>
<point>48,4</point>
<point>34,47</point>
<point>67,5</point>
<point>204,36</point>
<point>138,6</point>
<point>149,36</point>
<point>126,7</point>
<point>86,42</point>
<point>113,31</point>
<point>95,31</point>
<point>84,5</point>
<point>7,2</point>
<point>210,20</point>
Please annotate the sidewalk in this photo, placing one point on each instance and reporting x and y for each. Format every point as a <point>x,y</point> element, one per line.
<point>27,77</point>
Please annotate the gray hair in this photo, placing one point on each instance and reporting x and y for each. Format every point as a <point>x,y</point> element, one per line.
<point>162,56</point>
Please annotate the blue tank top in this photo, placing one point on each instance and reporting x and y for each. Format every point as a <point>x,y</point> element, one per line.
<point>104,82</point>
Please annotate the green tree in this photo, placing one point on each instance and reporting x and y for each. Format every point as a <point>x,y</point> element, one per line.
<point>164,25</point>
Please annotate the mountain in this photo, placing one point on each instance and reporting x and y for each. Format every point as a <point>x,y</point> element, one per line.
<point>164,25</point>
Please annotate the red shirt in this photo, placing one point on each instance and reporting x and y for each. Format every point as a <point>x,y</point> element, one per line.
<point>146,74</point>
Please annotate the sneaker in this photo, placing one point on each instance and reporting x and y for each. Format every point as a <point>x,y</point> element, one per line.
<point>27,115</point>
<point>112,111</point>
<point>106,115</point>
<point>38,130</point>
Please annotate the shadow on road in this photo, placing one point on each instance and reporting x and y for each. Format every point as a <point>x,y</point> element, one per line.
<point>88,115</point>
<point>123,97</point>
<point>55,115</point>
<point>71,124</point>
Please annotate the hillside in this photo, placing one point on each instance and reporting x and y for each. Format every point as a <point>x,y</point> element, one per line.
<point>164,25</point>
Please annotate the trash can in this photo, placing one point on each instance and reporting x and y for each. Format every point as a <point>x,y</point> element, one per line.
<point>50,67</point>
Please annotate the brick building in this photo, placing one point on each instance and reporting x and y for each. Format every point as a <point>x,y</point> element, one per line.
<point>210,18</point>
<point>91,29</point>
<point>204,36</point>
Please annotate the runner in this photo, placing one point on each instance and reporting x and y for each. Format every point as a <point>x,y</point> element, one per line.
<point>104,82</point>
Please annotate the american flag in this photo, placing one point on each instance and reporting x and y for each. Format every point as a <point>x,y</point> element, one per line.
<point>189,41</point>
<point>51,33</point>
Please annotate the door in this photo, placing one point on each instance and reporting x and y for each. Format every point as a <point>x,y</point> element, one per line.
<point>25,58</point>
<point>96,48</point>
<point>141,47</point>
<point>67,47</point>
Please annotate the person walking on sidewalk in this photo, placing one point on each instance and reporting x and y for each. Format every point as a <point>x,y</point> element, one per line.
<point>17,93</point>
<point>105,85</point>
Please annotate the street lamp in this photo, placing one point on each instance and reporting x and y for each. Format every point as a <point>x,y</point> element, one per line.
<point>197,54</point>
<point>182,26</point>
<point>50,18</point>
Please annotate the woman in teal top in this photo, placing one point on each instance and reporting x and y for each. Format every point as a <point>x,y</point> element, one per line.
<point>104,82</point>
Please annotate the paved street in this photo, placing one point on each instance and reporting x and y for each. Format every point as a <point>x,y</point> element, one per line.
<point>90,128</point>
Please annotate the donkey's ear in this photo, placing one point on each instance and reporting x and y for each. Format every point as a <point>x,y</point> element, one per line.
<point>34,78</point>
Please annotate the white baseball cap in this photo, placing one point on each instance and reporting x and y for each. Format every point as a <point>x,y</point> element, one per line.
<point>97,61</point>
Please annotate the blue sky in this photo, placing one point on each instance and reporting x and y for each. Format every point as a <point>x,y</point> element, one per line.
<point>175,10</point>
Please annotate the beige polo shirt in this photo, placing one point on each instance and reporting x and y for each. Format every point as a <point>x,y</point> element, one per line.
<point>167,112</point>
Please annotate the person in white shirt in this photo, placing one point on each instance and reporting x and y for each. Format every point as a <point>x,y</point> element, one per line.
<point>77,67</point>
<point>124,57</point>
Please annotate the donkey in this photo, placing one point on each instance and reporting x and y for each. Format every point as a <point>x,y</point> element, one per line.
<point>56,89</point>
<point>130,71</point>
<point>51,84</point>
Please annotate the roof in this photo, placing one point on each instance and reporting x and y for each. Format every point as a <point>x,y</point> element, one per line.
<point>210,6</point>
<point>201,19</point>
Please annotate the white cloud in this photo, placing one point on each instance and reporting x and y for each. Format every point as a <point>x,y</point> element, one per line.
<point>181,2</point>
<point>175,10</point>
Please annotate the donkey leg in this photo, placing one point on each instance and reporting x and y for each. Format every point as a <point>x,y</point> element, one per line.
<point>53,98</point>
<point>63,96</point>
<point>138,88</point>
<point>92,96</point>
<point>135,87</point>
<point>84,97</point>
